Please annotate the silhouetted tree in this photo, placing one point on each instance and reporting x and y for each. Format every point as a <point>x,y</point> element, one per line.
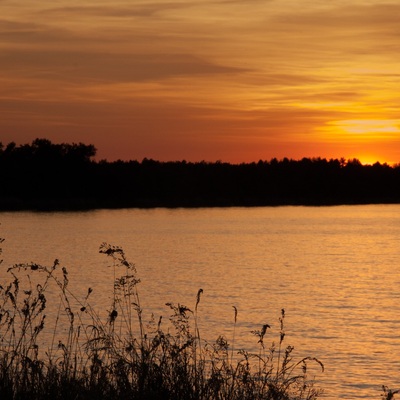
<point>47,175</point>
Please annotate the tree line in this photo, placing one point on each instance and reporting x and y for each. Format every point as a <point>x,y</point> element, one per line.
<point>47,176</point>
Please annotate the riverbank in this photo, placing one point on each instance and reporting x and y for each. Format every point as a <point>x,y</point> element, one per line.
<point>123,356</point>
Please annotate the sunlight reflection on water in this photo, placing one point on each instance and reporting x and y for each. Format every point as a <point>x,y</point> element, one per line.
<point>334,270</point>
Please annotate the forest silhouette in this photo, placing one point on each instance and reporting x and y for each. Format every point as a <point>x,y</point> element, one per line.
<point>47,176</point>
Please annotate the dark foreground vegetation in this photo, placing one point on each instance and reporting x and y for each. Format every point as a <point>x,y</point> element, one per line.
<point>123,357</point>
<point>43,175</point>
<point>118,355</point>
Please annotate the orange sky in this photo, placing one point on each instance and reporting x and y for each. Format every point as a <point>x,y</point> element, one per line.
<point>228,80</point>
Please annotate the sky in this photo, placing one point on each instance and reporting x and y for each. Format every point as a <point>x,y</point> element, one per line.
<point>229,80</point>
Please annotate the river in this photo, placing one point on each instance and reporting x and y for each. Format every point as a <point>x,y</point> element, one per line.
<point>335,271</point>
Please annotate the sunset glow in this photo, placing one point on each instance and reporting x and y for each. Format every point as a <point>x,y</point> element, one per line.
<point>369,127</point>
<point>215,80</point>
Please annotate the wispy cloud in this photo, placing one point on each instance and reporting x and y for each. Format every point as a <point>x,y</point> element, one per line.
<point>210,72</point>
<point>78,67</point>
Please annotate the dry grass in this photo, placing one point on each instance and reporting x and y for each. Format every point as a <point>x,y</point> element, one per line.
<point>123,357</point>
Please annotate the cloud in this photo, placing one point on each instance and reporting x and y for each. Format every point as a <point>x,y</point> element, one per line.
<point>114,10</point>
<point>214,71</point>
<point>78,67</point>
<point>25,35</point>
<point>344,26</point>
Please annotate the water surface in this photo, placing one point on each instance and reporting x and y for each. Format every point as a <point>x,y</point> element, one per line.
<point>335,270</point>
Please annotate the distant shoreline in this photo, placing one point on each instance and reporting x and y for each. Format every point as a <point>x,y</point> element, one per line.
<point>56,177</point>
<point>49,205</point>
